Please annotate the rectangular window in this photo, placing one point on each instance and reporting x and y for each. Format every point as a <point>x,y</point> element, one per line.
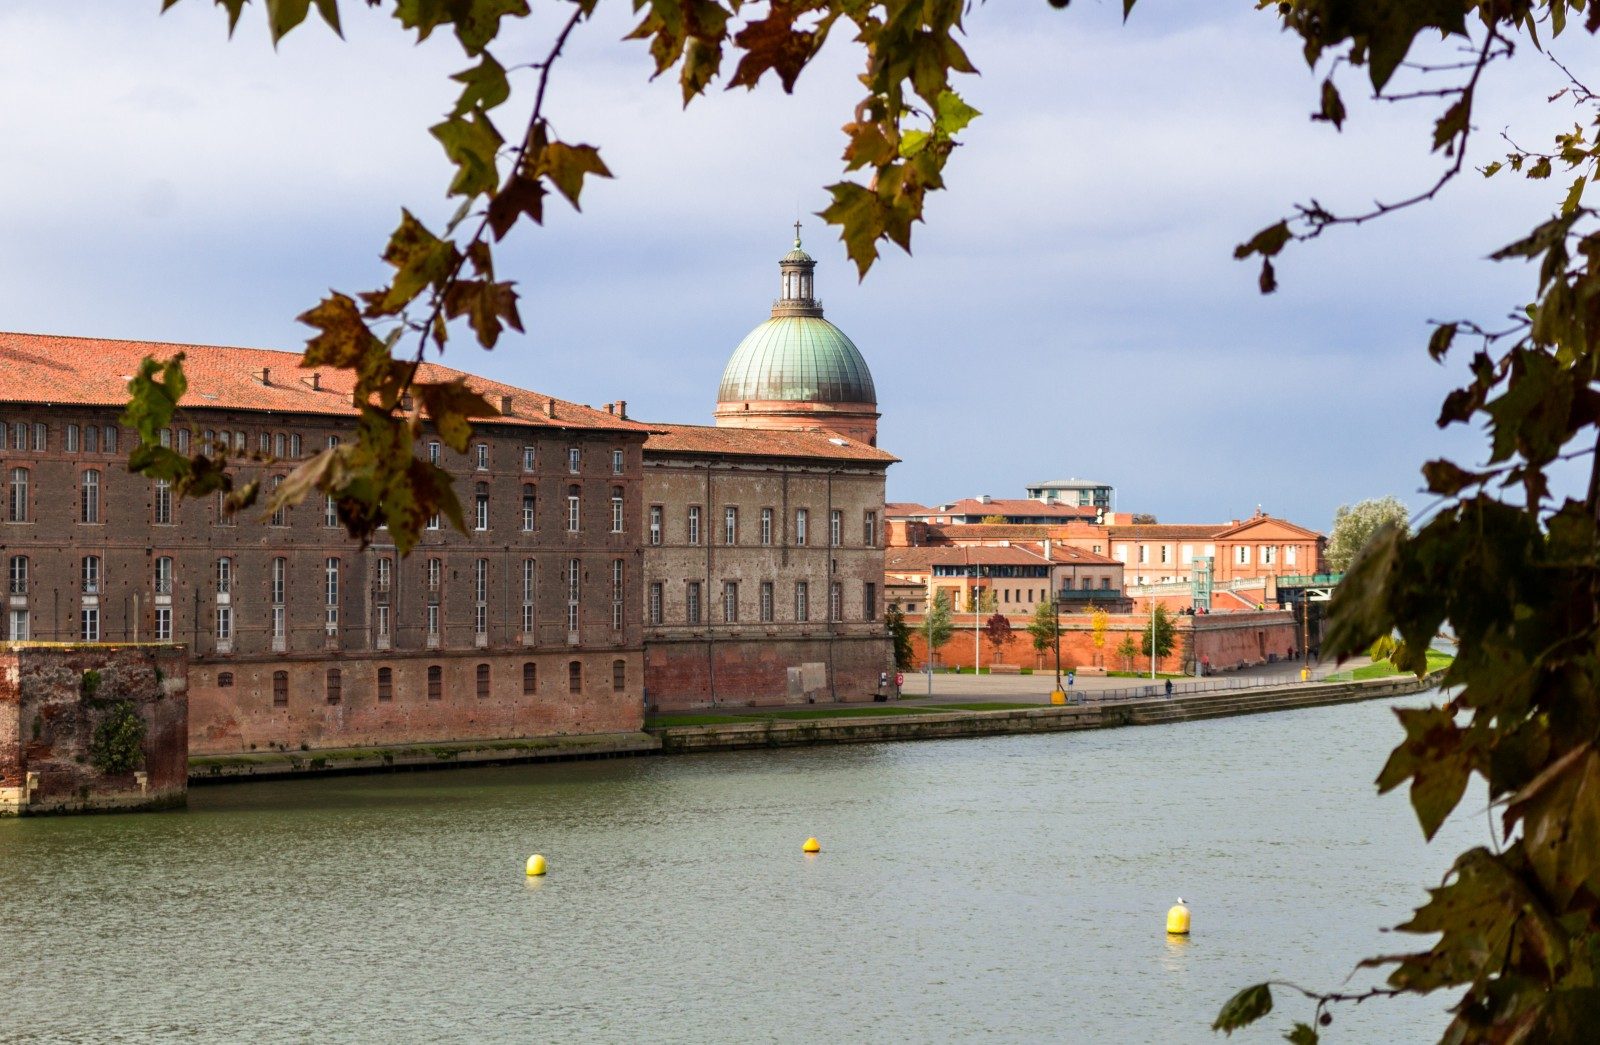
<point>835,528</point>
<point>19,436</point>
<point>330,512</point>
<point>89,499</point>
<point>19,495</point>
<point>280,573</point>
<point>1187,554</point>
<point>530,678</point>
<point>91,438</point>
<point>335,686</point>
<point>19,574</point>
<point>574,581</point>
<point>730,525</point>
<point>72,438</point>
<point>109,444</point>
<point>294,445</point>
<point>655,524</point>
<point>1144,554</point>
<point>19,626</point>
<point>483,681</point>
<point>869,529</point>
<point>224,576</point>
<point>1268,554</point>
<point>89,624</point>
<point>766,526</point>
<point>616,462</point>
<point>277,627</point>
<point>574,460</point>
<point>869,602</point>
<point>802,601</point>
<point>801,516</point>
<point>41,437</point>
<point>528,580</point>
<point>574,508</point>
<point>694,524</point>
<point>91,574</point>
<point>280,514</point>
<point>616,594</point>
<point>433,451</point>
<point>575,677</point>
<point>482,457</point>
<point>836,601</point>
<point>655,602</point>
<point>435,682</point>
<point>766,602</point>
<point>530,506</point>
<point>730,602</point>
<point>1289,553</point>
<point>224,623</point>
<point>616,509</point>
<point>280,689</point>
<point>163,501</point>
<point>385,572</point>
<point>435,522</point>
<point>691,603</point>
<point>385,685</point>
<point>619,675</point>
<point>383,622</point>
<point>1243,558</point>
<point>527,458</point>
<point>330,622</point>
<point>278,447</point>
<point>1164,549</point>
<point>435,567</point>
<point>163,623</point>
<point>433,623</point>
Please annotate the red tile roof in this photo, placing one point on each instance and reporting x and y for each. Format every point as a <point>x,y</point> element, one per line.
<point>758,442</point>
<point>923,558</point>
<point>1175,531</point>
<point>1011,506</point>
<point>41,368</point>
<point>896,509</point>
<point>1254,521</point>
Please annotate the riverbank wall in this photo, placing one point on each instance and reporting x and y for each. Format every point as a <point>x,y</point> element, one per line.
<point>776,732</point>
<point>1044,719</point>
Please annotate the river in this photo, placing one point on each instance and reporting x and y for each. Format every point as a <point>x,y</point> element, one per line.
<point>1012,888</point>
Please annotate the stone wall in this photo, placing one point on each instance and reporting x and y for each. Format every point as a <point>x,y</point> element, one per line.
<point>293,703</point>
<point>53,698</point>
<point>717,672</point>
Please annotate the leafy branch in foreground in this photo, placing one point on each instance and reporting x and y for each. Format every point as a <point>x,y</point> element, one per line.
<point>902,133</point>
<point>1512,570</point>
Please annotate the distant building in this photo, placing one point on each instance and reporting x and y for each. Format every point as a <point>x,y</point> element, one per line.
<point>985,509</point>
<point>1018,576</point>
<point>1079,492</point>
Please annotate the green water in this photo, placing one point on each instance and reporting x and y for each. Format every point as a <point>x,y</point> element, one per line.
<point>1009,888</point>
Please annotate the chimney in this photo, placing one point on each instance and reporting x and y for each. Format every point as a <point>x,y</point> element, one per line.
<point>549,407</point>
<point>505,406</point>
<point>611,408</point>
<point>1047,547</point>
<point>984,498</point>
<point>316,381</point>
<point>266,375</point>
<point>622,409</point>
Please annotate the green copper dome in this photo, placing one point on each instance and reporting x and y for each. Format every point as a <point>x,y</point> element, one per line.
<point>797,359</point>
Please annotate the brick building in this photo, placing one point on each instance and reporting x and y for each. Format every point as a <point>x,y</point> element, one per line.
<point>528,624</point>
<point>764,534</point>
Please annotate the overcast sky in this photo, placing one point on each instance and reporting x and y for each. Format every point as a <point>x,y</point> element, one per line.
<point>1072,308</point>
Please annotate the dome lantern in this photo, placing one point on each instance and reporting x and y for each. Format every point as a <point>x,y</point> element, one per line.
<point>797,370</point>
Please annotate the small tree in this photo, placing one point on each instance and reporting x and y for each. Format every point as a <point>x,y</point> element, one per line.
<point>1354,525</point>
<point>936,625</point>
<point>1162,626</point>
<point>1043,625</point>
<point>1099,621</point>
<point>994,520</point>
<point>900,632</point>
<point>1127,650</point>
<point>997,629</point>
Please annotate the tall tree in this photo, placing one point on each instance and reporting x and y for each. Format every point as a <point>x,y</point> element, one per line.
<point>900,633</point>
<point>1127,649</point>
<point>1160,627</point>
<point>936,624</point>
<point>1354,525</point>
<point>1099,622</point>
<point>1043,625</point>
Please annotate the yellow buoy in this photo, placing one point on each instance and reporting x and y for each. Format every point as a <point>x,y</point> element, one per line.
<point>811,846</point>
<point>1178,919</point>
<point>536,865</point>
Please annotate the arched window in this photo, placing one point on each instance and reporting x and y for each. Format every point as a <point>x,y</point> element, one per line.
<point>435,682</point>
<point>616,509</point>
<point>19,495</point>
<point>481,507</point>
<point>529,504</point>
<point>574,508</point>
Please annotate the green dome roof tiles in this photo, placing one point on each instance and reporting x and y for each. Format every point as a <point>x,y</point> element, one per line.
<point>797,359</point>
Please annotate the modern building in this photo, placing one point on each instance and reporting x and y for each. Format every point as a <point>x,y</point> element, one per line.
<point>527,624</point>
<point>764,534</point>
<point>1080,492</point>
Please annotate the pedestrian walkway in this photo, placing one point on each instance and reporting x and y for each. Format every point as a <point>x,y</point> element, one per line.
<point>1035,688</point>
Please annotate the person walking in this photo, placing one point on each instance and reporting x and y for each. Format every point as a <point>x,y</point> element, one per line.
<point>1169,688</point>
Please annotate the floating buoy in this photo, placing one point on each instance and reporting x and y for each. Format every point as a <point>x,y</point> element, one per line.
<point>1178,919</point>
<point>811,846</point>
<point>536,865</point>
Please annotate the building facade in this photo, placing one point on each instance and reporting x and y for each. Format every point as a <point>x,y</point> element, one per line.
<point>528,624</point>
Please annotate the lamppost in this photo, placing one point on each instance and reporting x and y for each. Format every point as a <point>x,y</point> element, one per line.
<point>1055,615</point>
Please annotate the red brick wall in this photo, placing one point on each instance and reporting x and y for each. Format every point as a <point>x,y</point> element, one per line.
<point>47,723</point>
<point>696,674</point>
<point>243,716</point>
<point>1230,640</point>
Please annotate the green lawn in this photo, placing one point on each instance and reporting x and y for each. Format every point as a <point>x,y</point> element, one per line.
<point>1383,669</point>
<point>1143,675</point>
